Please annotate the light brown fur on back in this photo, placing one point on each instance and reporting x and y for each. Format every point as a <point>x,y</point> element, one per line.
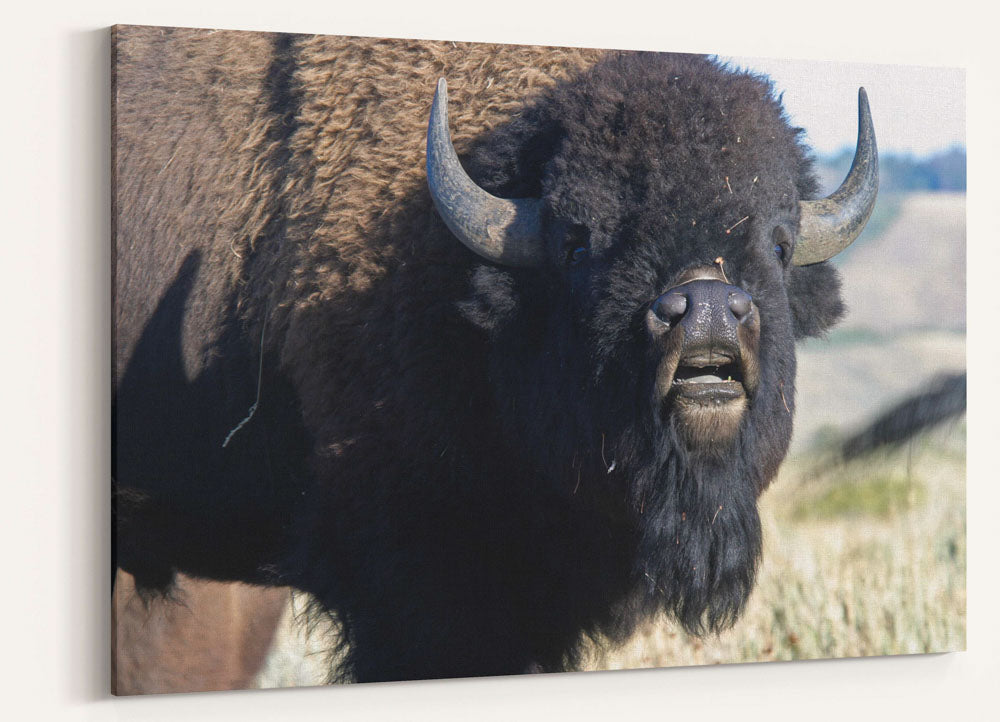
<point>289,161</point>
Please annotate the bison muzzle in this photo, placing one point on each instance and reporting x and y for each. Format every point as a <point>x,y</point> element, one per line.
<point>709,330</point>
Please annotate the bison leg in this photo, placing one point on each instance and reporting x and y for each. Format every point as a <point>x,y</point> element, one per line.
<point>439,642</point>
<point>410,617</point>
<point>205,636</point>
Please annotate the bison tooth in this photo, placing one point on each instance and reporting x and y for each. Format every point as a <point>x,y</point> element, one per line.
<point>705,379</point>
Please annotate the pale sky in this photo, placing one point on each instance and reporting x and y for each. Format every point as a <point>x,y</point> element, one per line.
<point>917,110</point>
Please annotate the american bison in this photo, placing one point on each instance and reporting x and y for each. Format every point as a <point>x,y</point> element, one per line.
<point>481,408</point>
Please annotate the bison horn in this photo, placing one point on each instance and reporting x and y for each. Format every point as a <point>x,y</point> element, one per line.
<point>506,231</point>
<point>829,225</point>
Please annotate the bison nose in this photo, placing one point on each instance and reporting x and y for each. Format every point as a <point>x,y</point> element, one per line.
<point>739,303</point>
<point>709,311</point>
<point>669,308</point>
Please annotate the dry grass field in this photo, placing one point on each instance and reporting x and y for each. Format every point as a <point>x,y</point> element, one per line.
<point>863,559</point>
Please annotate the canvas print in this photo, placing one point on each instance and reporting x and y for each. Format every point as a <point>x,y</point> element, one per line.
<point>441,359</point>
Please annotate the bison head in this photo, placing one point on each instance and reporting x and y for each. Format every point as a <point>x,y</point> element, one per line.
<point>652,251</point>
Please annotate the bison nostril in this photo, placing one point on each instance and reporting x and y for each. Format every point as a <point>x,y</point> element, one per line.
<point>670,307</point>
<point>740,303</point>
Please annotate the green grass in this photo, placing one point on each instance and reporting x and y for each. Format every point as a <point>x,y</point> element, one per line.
<point>851,336</point>
<point>878,495</point>
<point>867,336</point>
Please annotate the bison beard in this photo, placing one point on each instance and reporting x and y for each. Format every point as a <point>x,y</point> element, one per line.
<point>701,545</point>
<point>472,457</point>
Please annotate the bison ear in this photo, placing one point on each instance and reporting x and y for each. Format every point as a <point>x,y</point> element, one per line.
<point>814,296</point>
<point>492,299</point>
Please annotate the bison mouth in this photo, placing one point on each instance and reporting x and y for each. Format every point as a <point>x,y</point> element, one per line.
<point>709,379</point>
<point>707,333</point>
<point>705,395</point>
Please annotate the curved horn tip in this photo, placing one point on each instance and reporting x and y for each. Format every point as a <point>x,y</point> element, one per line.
<point>830,224</point>
<point>440,103</point>
<point>864,110</point>
<point>505,231</point>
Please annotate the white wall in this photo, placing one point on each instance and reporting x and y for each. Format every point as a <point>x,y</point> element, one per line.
<point>54,399</point>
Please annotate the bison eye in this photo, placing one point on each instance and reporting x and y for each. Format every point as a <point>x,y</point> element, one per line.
<point>577,255</point>
<point>782,244</point>
<point>576,244</point>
